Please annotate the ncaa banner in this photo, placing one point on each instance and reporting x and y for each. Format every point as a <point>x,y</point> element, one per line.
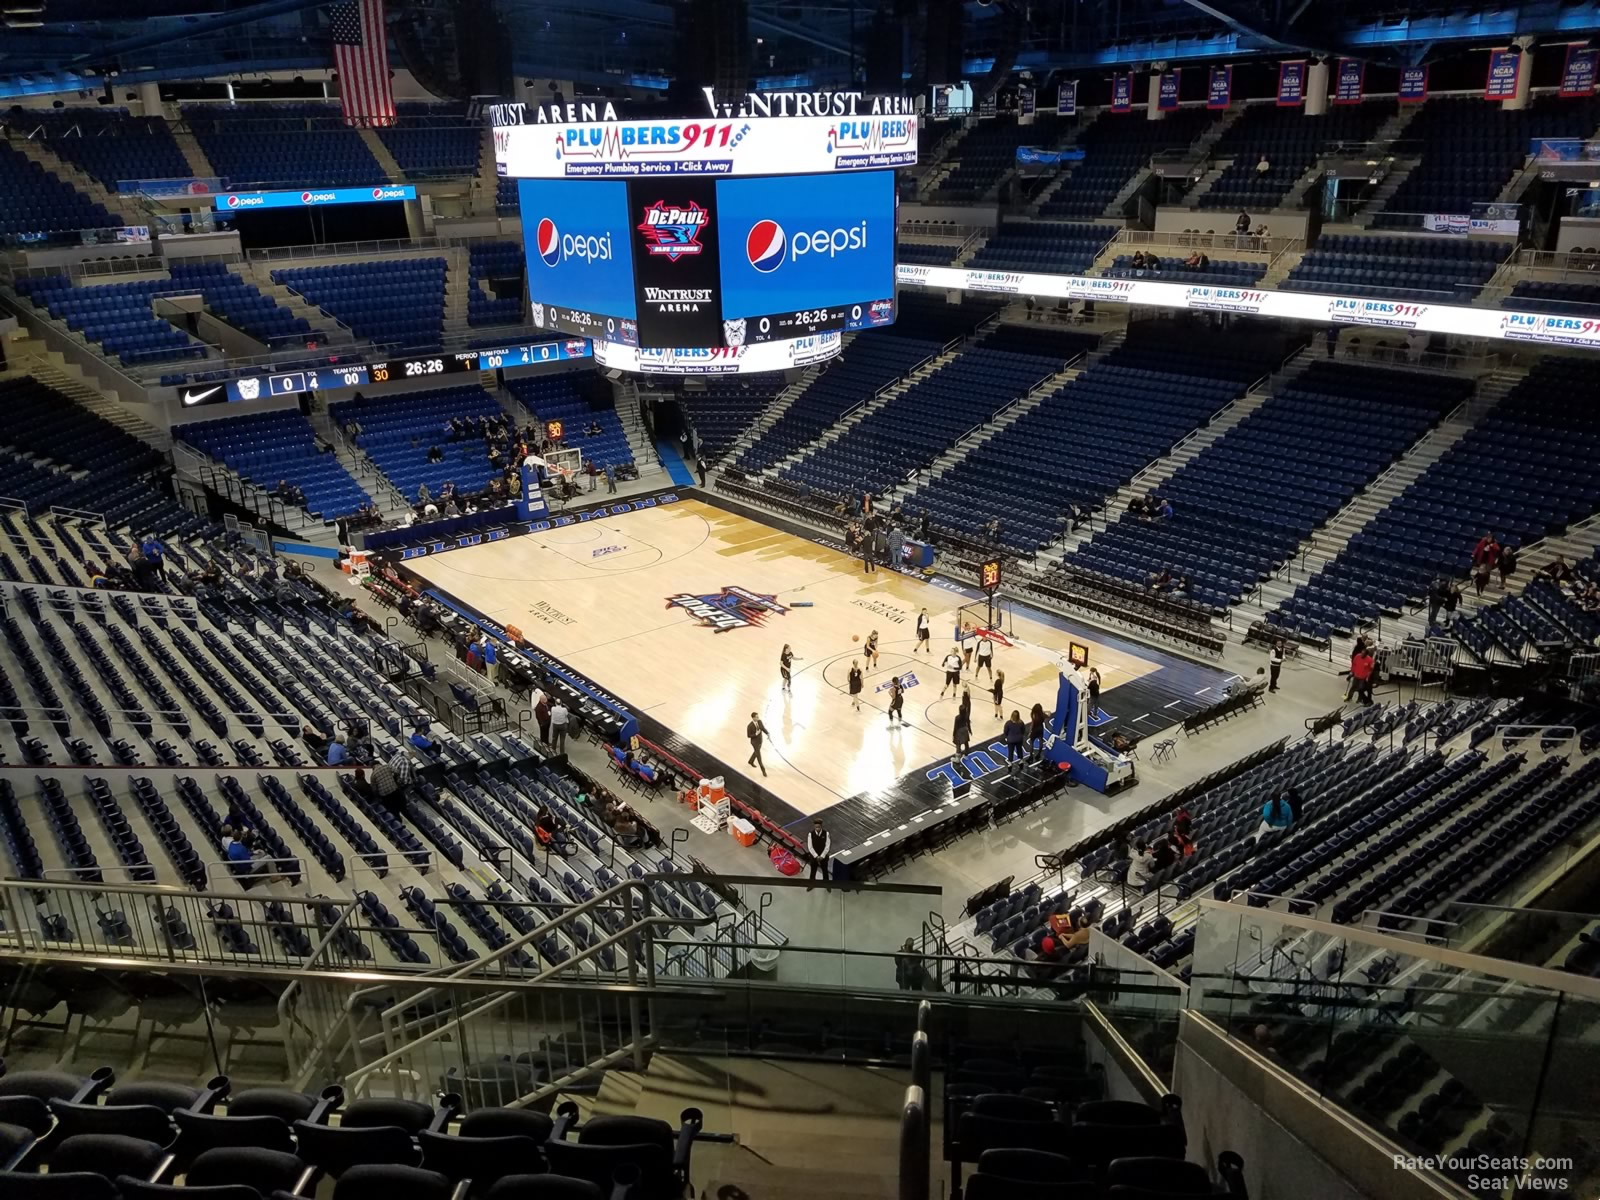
<point>1122,92</point>
<point>1026,106</point>
<point>1067,99</point>
<point>988,107</point>
<point>1413,85</point>
<point>1219,89</point>
<point>1505,68</point>
<point>1351,81</point>
<point>1292,83</point>
<point>1578,76</point>
<point>1167,92</point>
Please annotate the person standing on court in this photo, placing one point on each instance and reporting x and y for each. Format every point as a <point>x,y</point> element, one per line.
<point>491,660</point>
<point>872,647</point>
<point>924,634</point>
<point>880,543</point>
<point>896,543</point>
<point>818,843</point>
<point>952,672</point>
<point>755,731</point>
<point>1036,731</point>
<point>700,465</point>
<point>785,661</point>
<point>897,701</point>
<point>985,656</point>
<point>1094,692</point>
<point>961,733</point>
<point>1274,665</point>
<point>855,684</point>
<point>864,541</point>
<point>611,477</point>
<point>1015,732</point>
<point>998,690</point>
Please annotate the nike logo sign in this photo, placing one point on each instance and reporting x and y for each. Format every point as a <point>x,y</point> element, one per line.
<point>196,397</point>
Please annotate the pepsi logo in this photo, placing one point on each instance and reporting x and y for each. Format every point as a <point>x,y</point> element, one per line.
<point>764,246</point>
<point>305,197</point>
<point>377,193</point>
<point>233,202</point>
<point>548,241</point>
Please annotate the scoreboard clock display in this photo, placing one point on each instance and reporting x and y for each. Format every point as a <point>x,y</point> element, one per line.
<point>989,575</point>
<point>554,431</point>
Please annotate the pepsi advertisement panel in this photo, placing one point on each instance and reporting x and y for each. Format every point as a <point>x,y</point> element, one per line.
<point>676,242</point>
<point>801,260</point>
<point>578,235</point>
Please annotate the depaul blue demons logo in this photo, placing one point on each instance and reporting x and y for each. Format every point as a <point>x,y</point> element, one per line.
<point>673,232</point>
<point>733,608</point>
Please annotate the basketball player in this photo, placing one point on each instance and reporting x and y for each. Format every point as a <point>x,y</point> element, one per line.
<point>986,656</point>
<point>785,661</point>
<point>967,636</point>
<point>924,641</point>
<point>952,672</point>
<point>872,647</point>
<point>999,690</point>
<point>855,684</point>
<point>897,701</point>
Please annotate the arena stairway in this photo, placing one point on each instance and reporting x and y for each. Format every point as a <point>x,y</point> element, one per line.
<point>773,411</point>
<point>1324,544</point>
<point>1158,472</point>
<point>874,403</point>
<point>38,149</point>
<point>31,356</point>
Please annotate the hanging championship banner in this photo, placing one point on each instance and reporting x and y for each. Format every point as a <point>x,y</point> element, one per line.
<point>1026,105</point>
<point>1350,83</point>
<point>1292,83</point>
<point>1167,92</point>
<point>1067,99</point>
<point>988,107</point>
<point>1219,92</point>
<point>1505,68</point>
<point>1577,77</point>
<point>1122,92</point>
<point>1413,85</point>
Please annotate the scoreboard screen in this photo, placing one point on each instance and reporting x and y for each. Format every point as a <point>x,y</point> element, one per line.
<point>334,375</point>
<point>695,261</point>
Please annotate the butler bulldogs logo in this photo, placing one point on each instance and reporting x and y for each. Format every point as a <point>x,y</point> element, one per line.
<point>249,389</point>
<point>536,311</point>
<point>733,332</point>
<point>734,608</point>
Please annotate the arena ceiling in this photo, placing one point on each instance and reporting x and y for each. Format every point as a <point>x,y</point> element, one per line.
<point>635,42</point>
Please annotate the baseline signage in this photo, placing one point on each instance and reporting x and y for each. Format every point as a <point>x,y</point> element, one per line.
<point>1292,83</point>
<point>1413,85</point>
<point>1350,84</point>
<point>1458,319</point>
<point>1167,90</point>
<point>808,145</point>
<point>1067,99</point>
<point>1505,68</point>
<point>232,202</point>
<point>721,360</point>
<point>378,373</point>
<point>1219,88</point>
<point>1578,75</point>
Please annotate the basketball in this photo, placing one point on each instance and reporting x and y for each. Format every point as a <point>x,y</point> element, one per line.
<point>855,637</point>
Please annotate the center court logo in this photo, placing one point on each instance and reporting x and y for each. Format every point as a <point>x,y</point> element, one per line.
<point>732,608</point>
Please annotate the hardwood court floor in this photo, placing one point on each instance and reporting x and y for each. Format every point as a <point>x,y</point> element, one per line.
<point>601,596</point>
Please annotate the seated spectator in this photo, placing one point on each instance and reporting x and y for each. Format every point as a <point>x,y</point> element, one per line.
<point>423,742</point>
<point>430,510</point>
<point>1182,842</point>
<point>435,455</point>
<point>1275,814</point>
<point>337,753</point>
<point>1138,260</point>
<point>1165,507</point>
<point>1160,581</point>
<point>1152,263</point>
<point>1263,165</point>
<point>1192,263</point>
<point>1558,570</point>
<point>547,828</point>
<point>1205,261</point>
<point>423,494</point>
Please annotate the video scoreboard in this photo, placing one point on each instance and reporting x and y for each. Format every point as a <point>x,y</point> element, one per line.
<point>334,374</point>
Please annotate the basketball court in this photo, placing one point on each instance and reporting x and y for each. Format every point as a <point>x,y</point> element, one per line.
<point>682,611</point>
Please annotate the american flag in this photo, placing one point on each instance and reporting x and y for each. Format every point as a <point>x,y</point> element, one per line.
<point>361,55</point>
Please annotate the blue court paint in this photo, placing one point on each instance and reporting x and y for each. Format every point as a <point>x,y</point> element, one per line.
<point>677,470</point>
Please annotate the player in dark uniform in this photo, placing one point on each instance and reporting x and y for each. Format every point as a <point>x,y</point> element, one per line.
<point>999,690</point>
<point>855,684</point>
<point>785,661</point>
<point>872,647</point>
<point>897,701</point>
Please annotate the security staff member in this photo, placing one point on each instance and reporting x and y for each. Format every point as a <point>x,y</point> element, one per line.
<point>755,731</point>
<point>818,843</point>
